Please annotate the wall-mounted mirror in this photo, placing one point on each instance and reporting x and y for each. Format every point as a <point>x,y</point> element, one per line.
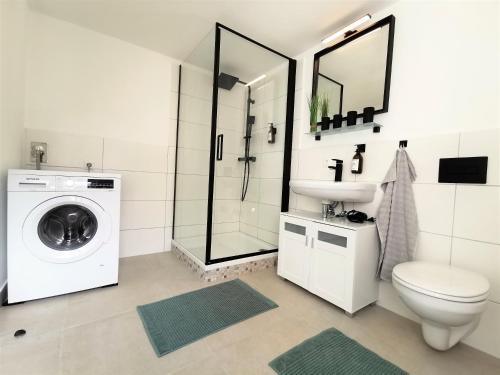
<point>356,72</point>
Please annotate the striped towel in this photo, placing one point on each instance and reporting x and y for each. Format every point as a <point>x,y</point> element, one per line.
<point>397,222</point>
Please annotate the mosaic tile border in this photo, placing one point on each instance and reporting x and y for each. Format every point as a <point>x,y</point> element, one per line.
<point>225,272</point>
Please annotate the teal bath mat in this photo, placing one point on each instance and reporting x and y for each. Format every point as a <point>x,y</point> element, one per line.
<point>175,322</point>
<point>331,352</point>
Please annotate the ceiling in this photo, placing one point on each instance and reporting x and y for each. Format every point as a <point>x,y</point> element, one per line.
<point>175,27</point>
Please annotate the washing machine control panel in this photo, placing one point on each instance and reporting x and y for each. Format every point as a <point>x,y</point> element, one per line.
<point>96,183</point>
<point>83,183</point>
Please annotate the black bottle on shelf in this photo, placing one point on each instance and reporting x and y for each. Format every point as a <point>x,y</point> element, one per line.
<point>368,113</point>
<point>351,118</point>
<point>337,121</point>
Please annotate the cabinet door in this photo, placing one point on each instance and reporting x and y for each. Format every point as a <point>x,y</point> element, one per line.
<point>331,264</point>
<point>293,254</point>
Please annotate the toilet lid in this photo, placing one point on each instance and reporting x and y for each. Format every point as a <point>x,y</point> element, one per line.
<point>442,281</point>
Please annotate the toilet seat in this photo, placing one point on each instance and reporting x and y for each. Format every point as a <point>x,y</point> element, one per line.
<point>442,281</point>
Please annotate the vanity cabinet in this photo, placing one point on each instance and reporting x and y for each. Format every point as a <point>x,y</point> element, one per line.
<point>333,258</point>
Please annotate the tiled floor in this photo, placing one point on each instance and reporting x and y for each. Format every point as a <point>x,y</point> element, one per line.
<point>99,332</point>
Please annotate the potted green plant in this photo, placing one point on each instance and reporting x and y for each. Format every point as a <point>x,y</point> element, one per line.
<point>313,103</point>
<point>325,120</point>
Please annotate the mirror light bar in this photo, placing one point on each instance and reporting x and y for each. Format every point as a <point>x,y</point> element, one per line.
<point>342,31</point>
<point>256,80</point>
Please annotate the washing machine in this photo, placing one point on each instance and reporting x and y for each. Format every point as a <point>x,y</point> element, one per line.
<point>62,232</point>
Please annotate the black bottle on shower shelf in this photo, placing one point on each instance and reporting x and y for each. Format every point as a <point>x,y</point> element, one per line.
<point>357,160</point>
<point>351,118</point>
<point>271,133</point>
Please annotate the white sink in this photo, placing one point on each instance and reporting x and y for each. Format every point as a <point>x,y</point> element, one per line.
<point>335,191</point>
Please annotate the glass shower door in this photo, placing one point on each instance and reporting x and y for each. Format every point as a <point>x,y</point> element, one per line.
<point>252,85</point>
<point>193,149</point>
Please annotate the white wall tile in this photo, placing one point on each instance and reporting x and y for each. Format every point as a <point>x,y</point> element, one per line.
<point>389,299</point>
<point>433,248</point>
<point>249,213</point>
<point>196,83</point>
<point>226,211</point>
<point>189,231</point>
<point>190,212</point>
<point>172,133</point>
<point>253,191</point>
<point>227,188</point>
<point>377,159</point>
<point>269,237</point>
<point>192,161</point>
<point>305,203</point>
<point>143,186</point>
<point>313,163</point>
<point>194,136</point>
<point>236,97</point>
<point>195,110</point>
<point>131,156</point>
<point>483,143</point>
<point>269,217</point>
<point>168,239</point>
<point>435,204</point>
<point>230,118</point>
<point>141,241</point>
<point>171,160</point>
<point>480,257</point>
<point>270,191</point>
<point>233,144</point>
<point>191,187</point>
<point>426,152</point>
<point>486,337</point>
<point>170,186</point>
<point>477,211</point>
<point>229,167</point>
<point>249,229</point>
<point>270,165</point>
<point>225,227</point>
<point>173,100</point>
<point>169,213</point>
<point>65,150</point>
<point>142,214</point>
<point>174,77</point>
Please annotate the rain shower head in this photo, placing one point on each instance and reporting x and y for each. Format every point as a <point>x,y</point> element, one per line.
<point>227,81</point>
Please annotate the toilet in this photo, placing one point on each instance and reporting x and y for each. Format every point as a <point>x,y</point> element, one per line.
<point>449,300</point>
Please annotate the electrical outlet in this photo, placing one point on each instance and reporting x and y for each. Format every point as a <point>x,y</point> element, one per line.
<point>34,146</point>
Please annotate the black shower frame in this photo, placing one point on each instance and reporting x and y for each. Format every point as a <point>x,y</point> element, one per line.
<point>287,154</point>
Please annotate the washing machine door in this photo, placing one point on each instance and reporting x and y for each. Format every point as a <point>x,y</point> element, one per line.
<point>66,229</point>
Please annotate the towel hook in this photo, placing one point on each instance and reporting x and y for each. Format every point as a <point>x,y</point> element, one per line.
<point>403,144</point>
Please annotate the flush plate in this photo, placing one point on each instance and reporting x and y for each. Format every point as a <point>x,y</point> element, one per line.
<point>471,170</point>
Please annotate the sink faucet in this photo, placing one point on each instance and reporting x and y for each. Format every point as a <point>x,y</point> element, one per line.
<point>338,169</point>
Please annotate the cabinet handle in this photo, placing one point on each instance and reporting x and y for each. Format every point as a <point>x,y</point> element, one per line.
<point>312,242</point>
<point>307,240</point>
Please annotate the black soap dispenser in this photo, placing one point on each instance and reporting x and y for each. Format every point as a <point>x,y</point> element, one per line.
<point>271,133</point>
<point>357,160</point>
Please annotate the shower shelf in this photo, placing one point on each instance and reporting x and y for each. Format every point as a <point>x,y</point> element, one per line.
<point>347,129</point>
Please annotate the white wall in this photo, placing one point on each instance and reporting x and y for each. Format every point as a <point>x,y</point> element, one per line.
<point>94,98</point>
<point>13,17</point>
<point>444,100</point>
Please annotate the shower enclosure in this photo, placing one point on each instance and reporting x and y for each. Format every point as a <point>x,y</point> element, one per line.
<point>231,179</point>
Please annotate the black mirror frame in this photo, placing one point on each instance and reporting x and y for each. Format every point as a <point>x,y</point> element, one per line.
<point>389,20</point>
